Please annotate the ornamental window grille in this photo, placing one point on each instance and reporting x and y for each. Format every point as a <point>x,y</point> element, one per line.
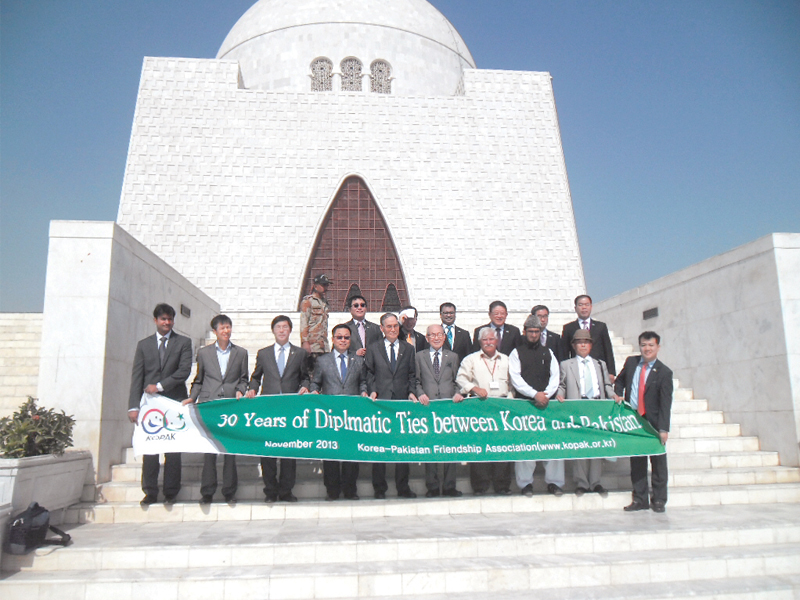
<point>353,291</point>
<point>351,75</point>
<point>381,77</point>
<point>321,75</point>
<point>355,249</point>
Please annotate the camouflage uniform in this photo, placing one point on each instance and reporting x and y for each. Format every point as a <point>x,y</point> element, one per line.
<point>314,323</point>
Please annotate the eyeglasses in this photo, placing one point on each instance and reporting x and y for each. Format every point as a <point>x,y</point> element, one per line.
<point>359,305</point>
<point>435,335</point>
<point>341,337</point>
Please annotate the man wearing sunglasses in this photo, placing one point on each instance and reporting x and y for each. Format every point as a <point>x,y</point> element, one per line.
<point>362,332</point>
<point>340,372</point>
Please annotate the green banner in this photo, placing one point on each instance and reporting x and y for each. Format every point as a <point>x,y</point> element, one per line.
<point>352,428</point>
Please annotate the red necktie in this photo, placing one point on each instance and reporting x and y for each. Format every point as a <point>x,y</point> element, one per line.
<point>642,376</point>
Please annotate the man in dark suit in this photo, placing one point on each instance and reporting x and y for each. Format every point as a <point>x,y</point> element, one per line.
<point>508,336</point>
<point>340,372</point>
<point>647,385</point>
<point>408,320</point>
<point>601,342</point>
<point>280,369</point>
<point>549,338</point>
<point>391,375</point>
<point>221,373</point>
<point>161,365</point>
<point>437,368</point>
<point>362,332</point>
<point>456,339</point>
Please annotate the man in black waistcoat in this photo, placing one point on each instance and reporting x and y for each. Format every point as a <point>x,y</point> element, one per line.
<point>534,373</point>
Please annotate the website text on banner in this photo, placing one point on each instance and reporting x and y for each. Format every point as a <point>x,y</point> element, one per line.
<point>351,428</point>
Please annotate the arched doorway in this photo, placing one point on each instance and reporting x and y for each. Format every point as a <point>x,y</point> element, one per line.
<point>355,250</point>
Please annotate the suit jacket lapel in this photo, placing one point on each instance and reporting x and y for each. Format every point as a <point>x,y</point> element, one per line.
<point>272,364</point>
<point>214,366</point>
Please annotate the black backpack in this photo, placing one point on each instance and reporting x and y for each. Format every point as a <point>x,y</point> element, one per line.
<point>28,530</point>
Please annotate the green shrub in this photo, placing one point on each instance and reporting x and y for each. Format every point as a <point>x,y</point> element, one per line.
<point>33,431</point>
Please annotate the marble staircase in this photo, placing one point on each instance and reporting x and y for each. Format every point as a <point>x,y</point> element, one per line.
<point>731,530</point>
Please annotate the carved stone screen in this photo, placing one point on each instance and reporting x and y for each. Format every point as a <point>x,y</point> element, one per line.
<point>354,248</point>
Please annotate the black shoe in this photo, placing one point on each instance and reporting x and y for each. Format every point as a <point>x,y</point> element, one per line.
<point>658,507</point>
<point>554,489</point>
<point>230,498</point>
<point>406,494</point>
<point>148,500</point>
<point>503,492</point>
<point>478,492</point>
<point>330,498</point>
<point>432,494</point>
<point>169,500</point>
<point>454,493</point>
<point>380,495</point>
<point>270,498</point>
<point>290,497</point>
<point>599,489</point>
<point>580,491</point>
<point>528,490</point>
<point>352,497</point>
<point>634,506</point>
<point>206,499</point>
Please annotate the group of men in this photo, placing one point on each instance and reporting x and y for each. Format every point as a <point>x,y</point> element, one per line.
<point>392,361</point>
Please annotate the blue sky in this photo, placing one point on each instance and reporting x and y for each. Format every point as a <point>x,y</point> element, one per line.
<point>680,119</point>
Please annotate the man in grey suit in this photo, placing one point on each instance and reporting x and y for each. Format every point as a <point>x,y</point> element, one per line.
<point>161,365</point>
<point>587,378</point>
<point>280,369</point>
<point>362,332</point>
<point>340,373</point>
<point>221,373</point>
<point>437,368</point>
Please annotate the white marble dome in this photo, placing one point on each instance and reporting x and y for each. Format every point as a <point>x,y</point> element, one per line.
<point>276,42</point>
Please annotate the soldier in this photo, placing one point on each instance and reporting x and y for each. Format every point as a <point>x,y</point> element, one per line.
<point>314,318</point>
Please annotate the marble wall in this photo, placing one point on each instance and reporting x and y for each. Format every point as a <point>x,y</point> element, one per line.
<point>231,186</point>
<point>100,291</point>
<point>729,330</point>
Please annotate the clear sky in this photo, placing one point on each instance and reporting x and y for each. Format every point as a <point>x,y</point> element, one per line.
<point>680,119</point>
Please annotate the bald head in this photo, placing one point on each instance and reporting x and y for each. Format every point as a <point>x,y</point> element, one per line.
<point>435,336</point>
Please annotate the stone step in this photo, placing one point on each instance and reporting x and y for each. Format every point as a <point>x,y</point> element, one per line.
<point>248,467</point>
<point>712,444</point>
<point>783,587</point>
<point>430,536</point>
<point>710,430</point>
<point>251,489</point>
<point>693,405</point>
<point>18,379</point>
<point>426,555</point>
<point>709,417</point>
<point>25,368</point>
<point>131,512</point>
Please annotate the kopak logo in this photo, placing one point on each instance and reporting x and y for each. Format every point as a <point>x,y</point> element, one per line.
<point>156,421</point>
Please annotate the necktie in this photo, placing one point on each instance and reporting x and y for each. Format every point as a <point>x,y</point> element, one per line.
<point>584,391</point>
<point>584,324</point>
<point>392,358</point>
<point>450,336</point>
<point>343,368</point>
<point>362,334</point>
<point>589,380</point>
<point>499,331</point>
<point>281,362</point>
<point>436,363</point>
<point>162,351</point>
<point>642,378</point>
